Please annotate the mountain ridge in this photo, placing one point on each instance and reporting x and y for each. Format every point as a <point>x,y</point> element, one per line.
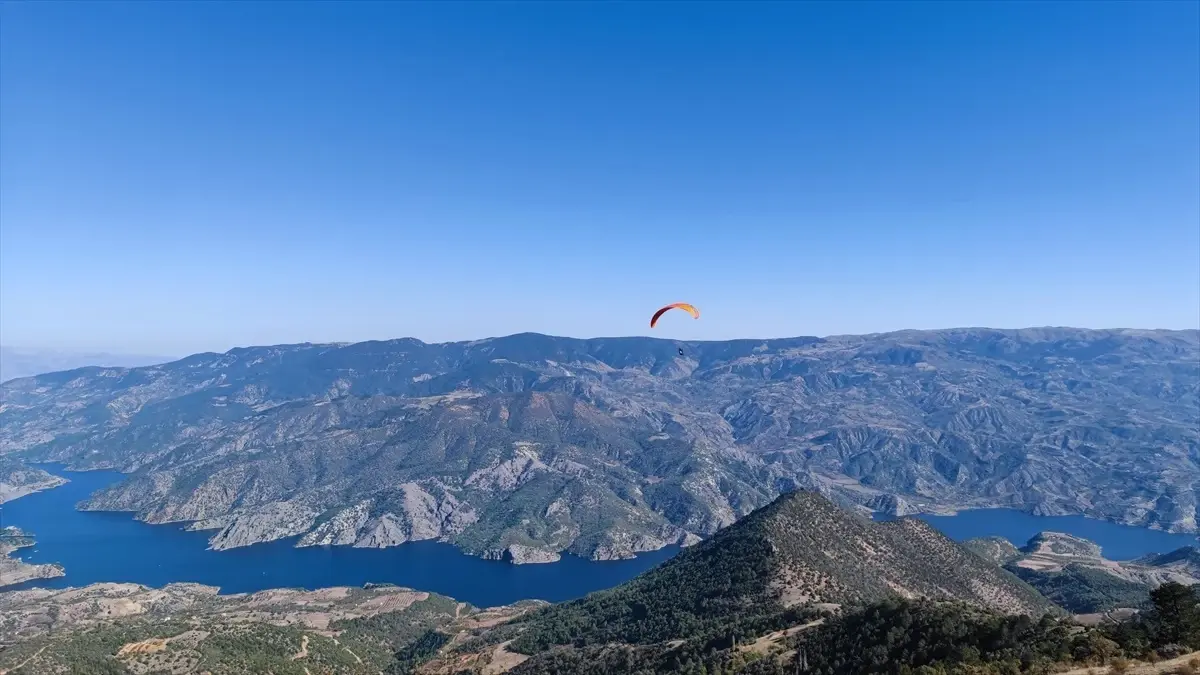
<point>1185,333</point>
<point>799,550</point>
<point>527,446</point>
<point>782,569</point>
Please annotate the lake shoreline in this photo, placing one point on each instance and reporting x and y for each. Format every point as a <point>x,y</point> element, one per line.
<point>20,483</point>
<point>115,547</point>
<point>914,509</point>
<point>14,571</point>
<point>160,553</point>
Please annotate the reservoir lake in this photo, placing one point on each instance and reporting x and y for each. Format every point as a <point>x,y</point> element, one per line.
<point>97,547</point>
<point>113,547</point>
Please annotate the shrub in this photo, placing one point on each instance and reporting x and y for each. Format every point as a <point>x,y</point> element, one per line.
<point>1172,651</point>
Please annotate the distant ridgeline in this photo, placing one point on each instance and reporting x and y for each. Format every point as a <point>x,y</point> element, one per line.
<point>529,446</point>
<point>797,586</point>
<point>16,362</point>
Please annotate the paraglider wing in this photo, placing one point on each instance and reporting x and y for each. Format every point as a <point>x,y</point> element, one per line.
<point>677,305</point>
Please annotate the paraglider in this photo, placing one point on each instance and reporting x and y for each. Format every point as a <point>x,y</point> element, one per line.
<point>690,309</point>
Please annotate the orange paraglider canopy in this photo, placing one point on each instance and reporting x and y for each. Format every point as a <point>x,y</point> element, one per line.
<point>677,305</point>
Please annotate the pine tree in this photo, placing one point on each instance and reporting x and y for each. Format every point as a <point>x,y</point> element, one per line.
<point>1176,617</point>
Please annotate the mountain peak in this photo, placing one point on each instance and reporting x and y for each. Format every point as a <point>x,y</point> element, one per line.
<point>801,549</point>
<point>827,554</point>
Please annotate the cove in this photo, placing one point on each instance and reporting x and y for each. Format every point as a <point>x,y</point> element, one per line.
<point>113,547</point>
<point>1117,542</point>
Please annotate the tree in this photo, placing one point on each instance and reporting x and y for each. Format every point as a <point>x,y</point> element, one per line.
<point>1176,617</point>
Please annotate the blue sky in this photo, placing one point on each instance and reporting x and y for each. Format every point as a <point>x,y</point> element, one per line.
<point>177,177</point>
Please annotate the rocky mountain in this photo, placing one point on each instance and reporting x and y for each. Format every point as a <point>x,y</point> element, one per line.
<point>528,446</point>
<point>800,550</point>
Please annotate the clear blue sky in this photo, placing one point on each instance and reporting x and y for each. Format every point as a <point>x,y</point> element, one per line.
<point>181,176</point>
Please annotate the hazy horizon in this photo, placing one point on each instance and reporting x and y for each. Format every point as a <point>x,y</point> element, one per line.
<point>187,177</point>
<point>25,349</point>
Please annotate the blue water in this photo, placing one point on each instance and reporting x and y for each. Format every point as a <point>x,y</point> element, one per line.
<point>95,547</point>
<point>1117,542</point>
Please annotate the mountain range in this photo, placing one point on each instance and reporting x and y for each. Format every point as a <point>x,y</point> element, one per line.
<point>527,446</point>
